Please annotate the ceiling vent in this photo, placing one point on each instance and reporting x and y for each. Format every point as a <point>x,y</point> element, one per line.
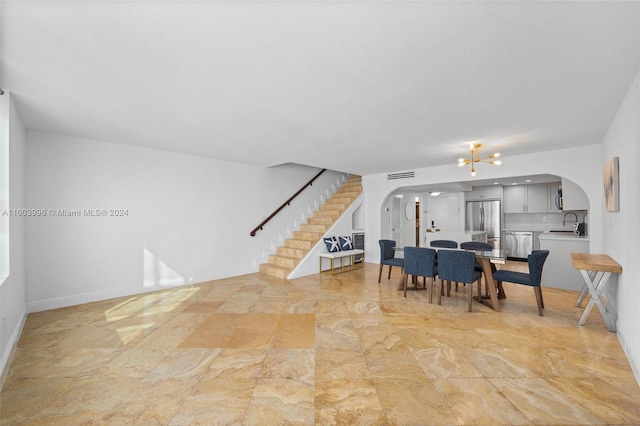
<point>404,175</point>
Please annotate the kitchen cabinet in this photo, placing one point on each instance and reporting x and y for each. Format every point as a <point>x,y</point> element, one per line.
<point>532,198</point>
<point>573,197</point>
<point>487,192</point>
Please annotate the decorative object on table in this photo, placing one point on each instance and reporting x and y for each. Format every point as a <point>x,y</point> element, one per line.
<point>387,257</point>
<point>611,183</point>
<point>475,158</point>
<point>536,261</point>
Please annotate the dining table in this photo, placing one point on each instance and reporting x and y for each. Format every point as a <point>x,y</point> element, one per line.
<point>487,259</point>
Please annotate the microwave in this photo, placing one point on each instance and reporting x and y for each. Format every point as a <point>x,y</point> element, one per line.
<point>558,199</point>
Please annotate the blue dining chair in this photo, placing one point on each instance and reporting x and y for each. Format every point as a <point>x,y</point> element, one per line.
<point>448,244</point>
<point>444,244</point>
<point>478,246</point>
<point>387,257</point>
<point>536,261</point>
<point>458,266</point>
<point>420,262</point>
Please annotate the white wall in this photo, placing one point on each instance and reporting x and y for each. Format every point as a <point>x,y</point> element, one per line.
<point>13,289</point>
<point>622,229</point>
<point>188,218</point>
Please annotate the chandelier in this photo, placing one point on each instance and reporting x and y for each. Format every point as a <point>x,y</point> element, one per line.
<point>475,158</point>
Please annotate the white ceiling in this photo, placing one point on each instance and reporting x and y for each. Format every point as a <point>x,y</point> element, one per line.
<point>356,86</point>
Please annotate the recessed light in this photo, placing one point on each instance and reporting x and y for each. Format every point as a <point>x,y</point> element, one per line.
<point>528,180</point>
<point>514,183</point>
<point>496,183</point>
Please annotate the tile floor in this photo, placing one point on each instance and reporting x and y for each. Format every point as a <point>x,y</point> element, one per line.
<point>323,350</point>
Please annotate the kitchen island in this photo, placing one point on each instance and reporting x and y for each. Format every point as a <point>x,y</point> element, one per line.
<point>558,270</point>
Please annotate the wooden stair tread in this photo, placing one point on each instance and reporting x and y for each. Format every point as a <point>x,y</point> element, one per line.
<point>275,270</point>
<point>290,252</point>
<point>283,261</point>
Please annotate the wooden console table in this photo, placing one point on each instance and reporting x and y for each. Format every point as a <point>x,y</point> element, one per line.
<point>596,270</point>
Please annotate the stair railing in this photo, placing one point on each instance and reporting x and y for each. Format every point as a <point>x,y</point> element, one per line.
<point>286,203</point>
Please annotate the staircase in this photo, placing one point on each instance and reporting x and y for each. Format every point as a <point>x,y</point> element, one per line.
<point>295,249</point>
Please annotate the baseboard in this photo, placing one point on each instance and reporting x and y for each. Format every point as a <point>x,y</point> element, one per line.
<point>79,299</point>
<point>634,363</point>
<point>10,350</point>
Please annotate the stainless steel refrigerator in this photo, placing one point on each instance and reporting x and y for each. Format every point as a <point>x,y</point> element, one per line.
<point>485,216</point>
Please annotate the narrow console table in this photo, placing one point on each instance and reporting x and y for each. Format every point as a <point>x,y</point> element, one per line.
<point>596,269</point>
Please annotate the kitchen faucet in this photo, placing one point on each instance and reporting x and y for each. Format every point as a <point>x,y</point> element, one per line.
<point>564,217</point>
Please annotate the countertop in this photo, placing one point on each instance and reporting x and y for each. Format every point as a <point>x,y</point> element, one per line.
<point>562,236</point>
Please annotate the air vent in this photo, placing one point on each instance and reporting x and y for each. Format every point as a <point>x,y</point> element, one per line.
<point>404,175</point>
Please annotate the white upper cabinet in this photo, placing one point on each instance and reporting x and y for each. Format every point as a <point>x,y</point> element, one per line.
<point>526,198</point>
<point>573,197</point>
<point>488,192</point>
<point>538,198</point>
<point>514,199</point>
